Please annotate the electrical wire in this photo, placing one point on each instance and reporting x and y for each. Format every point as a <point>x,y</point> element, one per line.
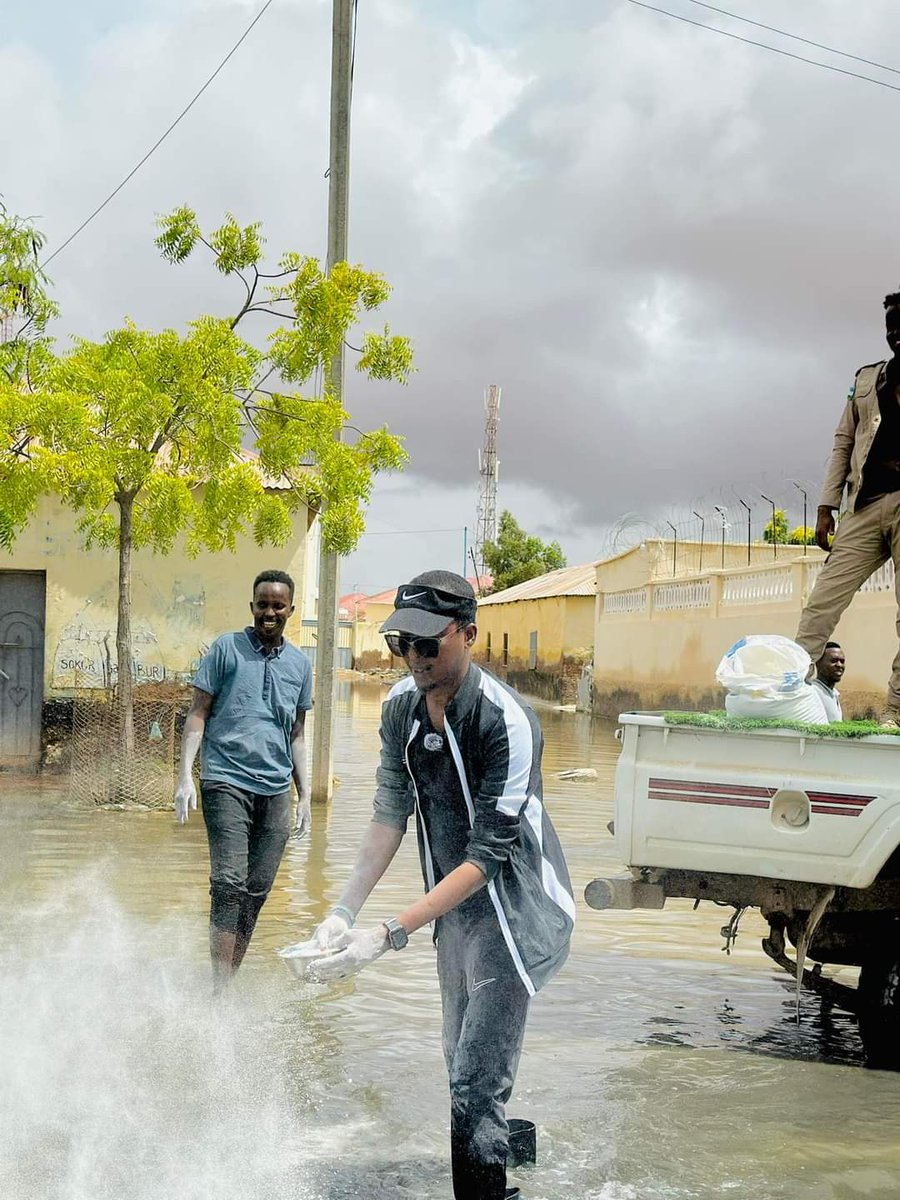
<point>397,532</point>
<point>765,46</point>
<point>353,46</point>
<point>869,62</point>
<point>156,145</point>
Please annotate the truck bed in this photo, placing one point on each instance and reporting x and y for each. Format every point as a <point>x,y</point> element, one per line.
<point>769,802</point>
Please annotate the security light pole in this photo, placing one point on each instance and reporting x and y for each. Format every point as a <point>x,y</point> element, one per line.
<point>803,494</point>
<point>769,500</point>
<point>702,533</point>
<point>747,506</point>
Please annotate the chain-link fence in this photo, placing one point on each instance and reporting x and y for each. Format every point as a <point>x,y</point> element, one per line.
<point>99,774</point>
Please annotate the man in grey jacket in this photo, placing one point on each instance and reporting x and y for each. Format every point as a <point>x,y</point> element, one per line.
<point>865,461</point>
<point>463,751</point>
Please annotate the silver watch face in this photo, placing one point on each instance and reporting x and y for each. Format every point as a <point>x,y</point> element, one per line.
<point>397,935</point>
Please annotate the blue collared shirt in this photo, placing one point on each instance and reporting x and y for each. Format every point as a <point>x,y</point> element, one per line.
<point>258,694</point>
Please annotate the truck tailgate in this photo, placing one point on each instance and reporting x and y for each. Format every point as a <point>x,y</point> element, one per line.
<point>768,802</point>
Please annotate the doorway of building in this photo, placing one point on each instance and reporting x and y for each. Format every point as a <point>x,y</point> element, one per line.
<point>22,606</point>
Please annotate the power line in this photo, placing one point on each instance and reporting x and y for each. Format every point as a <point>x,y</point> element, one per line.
<point>184,112</point>
<point>869,62</point>
<point>765,46</point>
<point>396,532</point>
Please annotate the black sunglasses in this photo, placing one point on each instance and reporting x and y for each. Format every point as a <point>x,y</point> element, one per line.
<point>400,644</point>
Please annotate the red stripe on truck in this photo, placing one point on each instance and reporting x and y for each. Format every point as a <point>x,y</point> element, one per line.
<point>707,798</point>
<point>722,789</point>
<point>837,798</point>
<point>836,811</point>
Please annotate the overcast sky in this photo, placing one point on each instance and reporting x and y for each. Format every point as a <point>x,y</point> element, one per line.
<point>669,248</point>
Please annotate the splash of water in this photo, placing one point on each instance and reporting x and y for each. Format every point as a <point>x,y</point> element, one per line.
<point>122,1079</point>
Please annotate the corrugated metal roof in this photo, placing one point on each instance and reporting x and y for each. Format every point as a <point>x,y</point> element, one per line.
<point>389,596</point>
<point>567,581</point>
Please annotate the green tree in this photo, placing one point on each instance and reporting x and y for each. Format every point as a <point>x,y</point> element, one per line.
<point>145,433</point>
<point>777,528</point>
<point>517,556</point>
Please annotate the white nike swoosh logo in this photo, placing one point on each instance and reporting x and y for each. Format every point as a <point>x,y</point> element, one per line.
<point>481,983</point>
<point>414,596</point>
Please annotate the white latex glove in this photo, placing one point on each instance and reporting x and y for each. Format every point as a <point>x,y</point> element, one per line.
<point>185,799</point>
<point>329,934</point>
<point>303,821</point>
<point>357,948</point>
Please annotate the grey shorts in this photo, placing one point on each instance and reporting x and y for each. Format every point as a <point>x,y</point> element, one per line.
<point>247,834</point>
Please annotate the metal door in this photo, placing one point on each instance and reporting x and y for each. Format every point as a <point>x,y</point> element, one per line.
<point>22,597</point>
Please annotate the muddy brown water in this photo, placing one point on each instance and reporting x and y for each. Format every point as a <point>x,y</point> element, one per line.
<point>655,1066</point>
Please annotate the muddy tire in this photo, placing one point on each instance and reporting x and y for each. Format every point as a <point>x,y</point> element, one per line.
<point>879,1012</point>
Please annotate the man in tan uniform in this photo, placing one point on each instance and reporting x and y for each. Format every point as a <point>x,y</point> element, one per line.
<point>866,461</point>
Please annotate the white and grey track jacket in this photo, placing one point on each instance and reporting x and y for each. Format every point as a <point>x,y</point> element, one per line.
<point>496,743</point>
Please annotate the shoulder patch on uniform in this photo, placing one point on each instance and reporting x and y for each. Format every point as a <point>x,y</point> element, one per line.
<point>877,367</point>
<point>880,363</point>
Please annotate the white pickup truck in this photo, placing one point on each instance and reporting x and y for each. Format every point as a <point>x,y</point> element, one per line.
<point>805,828</point>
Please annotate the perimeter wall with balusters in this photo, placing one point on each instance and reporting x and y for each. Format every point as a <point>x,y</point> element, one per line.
<point>657,645</point>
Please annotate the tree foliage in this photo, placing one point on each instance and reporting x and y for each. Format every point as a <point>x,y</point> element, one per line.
<point>777,529</point>
<point>167,416</point>
<point>149,435</point>
<point>802,536</point>
<point>517,556</point>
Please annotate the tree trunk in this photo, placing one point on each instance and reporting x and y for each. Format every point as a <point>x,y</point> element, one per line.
<point>124,672</point>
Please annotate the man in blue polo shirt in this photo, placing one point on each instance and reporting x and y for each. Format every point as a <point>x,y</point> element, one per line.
<point>251,696</point>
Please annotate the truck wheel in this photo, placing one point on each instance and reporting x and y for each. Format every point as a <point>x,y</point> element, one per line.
<point>879,1012</point>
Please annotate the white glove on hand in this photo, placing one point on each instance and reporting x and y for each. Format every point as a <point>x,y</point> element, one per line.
<point>328,935</point>
<point>185,799</point>
<point>303,820</point>
<point>357,948</point>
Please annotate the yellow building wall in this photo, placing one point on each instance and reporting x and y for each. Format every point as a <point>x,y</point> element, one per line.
<point>667,659</point>
<point>564,625</point>
<point>179,604</point>
<point>370,650</point>
<point>657,559</point>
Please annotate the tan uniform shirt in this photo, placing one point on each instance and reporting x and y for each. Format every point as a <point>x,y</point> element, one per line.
<point>853,438</point>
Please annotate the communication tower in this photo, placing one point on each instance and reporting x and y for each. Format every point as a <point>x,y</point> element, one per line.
<point>489,470</point>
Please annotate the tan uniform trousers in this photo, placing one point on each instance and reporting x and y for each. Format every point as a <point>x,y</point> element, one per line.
<point>864,541</point>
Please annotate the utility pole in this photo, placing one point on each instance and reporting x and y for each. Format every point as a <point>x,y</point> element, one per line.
<point>329,565</point>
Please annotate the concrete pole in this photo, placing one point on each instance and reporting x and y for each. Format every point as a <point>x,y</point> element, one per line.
<point>329,566</point>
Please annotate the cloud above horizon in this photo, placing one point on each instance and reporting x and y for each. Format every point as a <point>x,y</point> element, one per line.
<point>669,249</point>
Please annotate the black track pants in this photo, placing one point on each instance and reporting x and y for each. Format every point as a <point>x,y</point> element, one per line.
<point>485,1005</point>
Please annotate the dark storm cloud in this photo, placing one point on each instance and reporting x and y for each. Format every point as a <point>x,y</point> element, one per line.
<point>668,248</point>
<point>674,268</point>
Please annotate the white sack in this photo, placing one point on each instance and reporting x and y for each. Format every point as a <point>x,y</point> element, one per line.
<point>765,676</point>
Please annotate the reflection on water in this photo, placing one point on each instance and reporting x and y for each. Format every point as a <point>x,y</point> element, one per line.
<point>655,1066</point>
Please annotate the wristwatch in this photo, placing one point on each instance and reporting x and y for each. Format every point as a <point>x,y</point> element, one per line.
<point>397,935</point>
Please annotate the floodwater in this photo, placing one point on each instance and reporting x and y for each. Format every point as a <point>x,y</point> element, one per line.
<point>655,1066</point>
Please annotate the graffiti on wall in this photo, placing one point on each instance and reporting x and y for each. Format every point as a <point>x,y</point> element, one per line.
<point>86,655</point>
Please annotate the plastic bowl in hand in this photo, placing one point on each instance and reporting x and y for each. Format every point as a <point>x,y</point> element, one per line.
<point>301,957</point>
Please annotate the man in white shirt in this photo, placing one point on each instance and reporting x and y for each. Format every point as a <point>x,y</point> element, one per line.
<point>829,671</point>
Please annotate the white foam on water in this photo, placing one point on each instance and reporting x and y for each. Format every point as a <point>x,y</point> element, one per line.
<point>121,1078</point>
